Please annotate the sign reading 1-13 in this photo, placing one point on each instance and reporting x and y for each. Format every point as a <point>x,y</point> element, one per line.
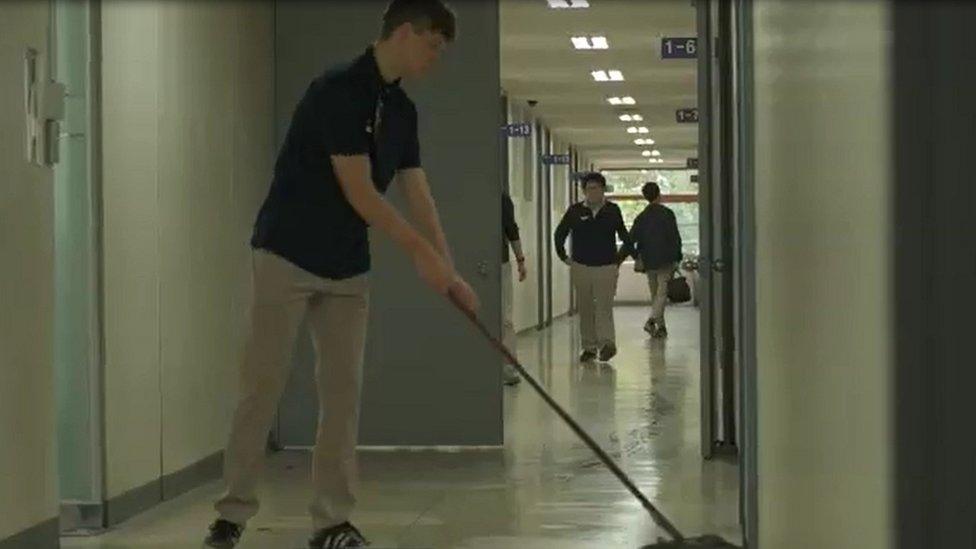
<point>687,116</point>
<point>679,48</point>
<point>556,159</point>
<point>520,129</point>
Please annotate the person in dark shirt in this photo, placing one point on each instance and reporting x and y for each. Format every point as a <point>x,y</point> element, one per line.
<point>594,225</point>
<point>510,230</point>
<point>352,133</point>
<point>657,245</point>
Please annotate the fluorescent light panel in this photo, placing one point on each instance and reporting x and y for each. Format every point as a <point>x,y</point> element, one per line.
<point>590,42</point>
<point>608,76</point>
<point>621,100</point>
<point>568,4</point>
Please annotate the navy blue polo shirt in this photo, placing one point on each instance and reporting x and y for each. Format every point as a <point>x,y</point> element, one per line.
<point>348,110</point>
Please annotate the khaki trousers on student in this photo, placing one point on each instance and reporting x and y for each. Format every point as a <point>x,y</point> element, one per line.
<point>336,310</point>
<point>596,288</point>
<point>657,283</point>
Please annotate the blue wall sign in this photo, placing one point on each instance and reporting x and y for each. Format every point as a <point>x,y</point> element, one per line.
<point>687,116</point>
<point>553,159</point>
<point>519,129</point>
<point>679,48</point>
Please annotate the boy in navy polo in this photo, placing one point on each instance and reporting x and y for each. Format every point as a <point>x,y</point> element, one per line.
<point>353,131</point>
<point>594,224</point>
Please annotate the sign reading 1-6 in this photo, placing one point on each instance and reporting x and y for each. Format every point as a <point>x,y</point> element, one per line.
<point>679,48</point>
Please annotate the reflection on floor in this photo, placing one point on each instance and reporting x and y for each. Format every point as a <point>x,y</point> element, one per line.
<point>544,490</point>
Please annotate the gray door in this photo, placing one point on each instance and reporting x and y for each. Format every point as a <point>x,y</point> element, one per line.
<point>429,380</point>
<point>27,405</point>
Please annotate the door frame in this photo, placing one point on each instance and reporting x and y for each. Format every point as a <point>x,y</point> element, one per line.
<point>738,176</point>
<point>745,259</point>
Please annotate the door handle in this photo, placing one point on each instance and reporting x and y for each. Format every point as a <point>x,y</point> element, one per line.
<point>483,268</point>
<point>718,266</point>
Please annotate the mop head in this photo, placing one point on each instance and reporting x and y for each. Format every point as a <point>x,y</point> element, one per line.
<point>703,542</point>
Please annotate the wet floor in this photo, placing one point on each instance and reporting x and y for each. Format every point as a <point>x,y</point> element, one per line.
<point>544,490</point>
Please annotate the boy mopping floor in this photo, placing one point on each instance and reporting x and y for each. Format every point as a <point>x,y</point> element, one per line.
<point>311,256</point>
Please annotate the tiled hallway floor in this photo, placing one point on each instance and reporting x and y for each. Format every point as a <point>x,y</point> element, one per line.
<point>544,490</point>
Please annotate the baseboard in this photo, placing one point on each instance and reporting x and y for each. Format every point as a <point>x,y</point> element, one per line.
<point>121,508</point>
<point>46,535</point>
<point>446,449</point>
<point>82,516</point>
<point>138,500</point>
<point>196,475</point>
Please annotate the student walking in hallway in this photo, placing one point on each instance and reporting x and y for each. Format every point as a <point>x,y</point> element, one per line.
<point>657,248</point>
<point>594,226</point>
<point>510,230</point>
<point>351,134</point>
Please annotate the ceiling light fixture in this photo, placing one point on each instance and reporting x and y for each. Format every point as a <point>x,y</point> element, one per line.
<point>581,43</point>
<point>621,100</point>
<point>655,153</point>
<point>608,76</point>
<point>590,43</point>
<point>568,4</point>
<point>626,118</point>
<point>632,129</point>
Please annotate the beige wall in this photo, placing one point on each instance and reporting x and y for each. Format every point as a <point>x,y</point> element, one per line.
<point>823,276</point>
<point>188,150</point>
<point>560,201</point>
<point>28,474</point>
<point>522,172</point>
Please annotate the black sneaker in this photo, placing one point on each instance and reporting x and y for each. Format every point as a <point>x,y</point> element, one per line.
<point>588,356</point>
<point>608,351</point>
<point>650,326</point>
<point>223,534</point>
<point>342,535</point>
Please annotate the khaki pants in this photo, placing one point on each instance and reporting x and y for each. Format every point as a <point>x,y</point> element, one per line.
<point>508,322</point>
<point>596,288</point>
<point>509,337</point>
<point>657,282</point>
<point>336,310</point>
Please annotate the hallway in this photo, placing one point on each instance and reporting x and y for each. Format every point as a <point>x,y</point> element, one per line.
<point>544,490</point>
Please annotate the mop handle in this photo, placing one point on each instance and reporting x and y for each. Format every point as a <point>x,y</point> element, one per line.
<point>658,517</point>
